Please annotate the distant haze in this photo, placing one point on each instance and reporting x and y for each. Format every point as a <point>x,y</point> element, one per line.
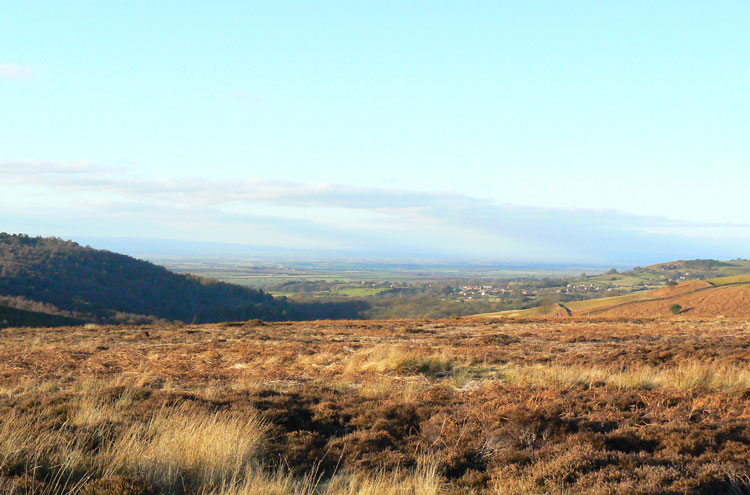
<point>171,251</point>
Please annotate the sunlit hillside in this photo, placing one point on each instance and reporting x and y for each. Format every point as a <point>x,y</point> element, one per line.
<point>718,297</point>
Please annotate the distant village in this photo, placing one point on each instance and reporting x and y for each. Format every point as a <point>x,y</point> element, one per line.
<point>475,291</point>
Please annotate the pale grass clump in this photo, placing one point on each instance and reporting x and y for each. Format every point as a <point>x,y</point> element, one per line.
<point>718,377</point>
<point>26,385</point>
<point>90,410</point>
<point>686,376</point>
<point>422,481</point>
<point>393,388</point>
<point>17,437</point>
<point>546,375</point>
<point>180,450</point>
<point>469,377</point>
<point>258,482</point>
<point>247,385</point>
<point>21,442</point>
<point>141,377</point>
<point>213,391</point>
<point>274,361</point>
<point>182,446</point>
<point>319,360</point>
<point>385,359</point>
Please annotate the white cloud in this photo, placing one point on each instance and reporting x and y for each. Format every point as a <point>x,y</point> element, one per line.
<point>374,217</point>
<point>13,71</point>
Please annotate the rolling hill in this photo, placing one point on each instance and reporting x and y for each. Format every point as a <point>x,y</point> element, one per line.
<point>723,296</point>
<point>61,279</point>
<point>653,276</point>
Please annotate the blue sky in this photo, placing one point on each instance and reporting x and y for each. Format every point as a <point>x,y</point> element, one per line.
<point>570,131</point>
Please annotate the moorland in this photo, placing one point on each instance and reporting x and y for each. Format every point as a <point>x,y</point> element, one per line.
<point>470,405</point>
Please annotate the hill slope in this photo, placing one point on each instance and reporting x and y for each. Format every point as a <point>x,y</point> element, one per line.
<point>677,271</point>
<point>729,300</point>
<point>725,296</point>
<point>53,276</point>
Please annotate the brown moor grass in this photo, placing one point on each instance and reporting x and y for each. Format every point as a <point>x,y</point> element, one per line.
<point>397,407</point>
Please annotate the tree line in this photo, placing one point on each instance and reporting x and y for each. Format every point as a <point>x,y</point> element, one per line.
<point>61,277</point>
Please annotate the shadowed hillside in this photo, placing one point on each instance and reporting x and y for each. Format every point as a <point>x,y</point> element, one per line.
<point>61,278</point>
<point>14,317</point>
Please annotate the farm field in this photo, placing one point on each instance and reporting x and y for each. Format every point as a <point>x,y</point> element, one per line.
<point>265,273</point>
<point>723,296</point>
<point>736,279</point>
<point>455,406</point>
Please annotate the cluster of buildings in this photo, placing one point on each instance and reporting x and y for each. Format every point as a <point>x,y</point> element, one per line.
<point>473,291</point>
<point>572,288</point>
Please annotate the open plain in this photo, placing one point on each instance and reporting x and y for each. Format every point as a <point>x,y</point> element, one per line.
<point>472,405</point>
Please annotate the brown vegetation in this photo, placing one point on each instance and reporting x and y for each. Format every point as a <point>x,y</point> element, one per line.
<point>384,407</point>
<point>725,301</point>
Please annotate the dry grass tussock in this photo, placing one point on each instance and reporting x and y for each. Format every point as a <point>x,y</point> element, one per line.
<point>176,450</point>
<point>177,444</point>
<point>358,408</point>
<point>424,480</point>
<point>689,375</point>
<point>385,359</point>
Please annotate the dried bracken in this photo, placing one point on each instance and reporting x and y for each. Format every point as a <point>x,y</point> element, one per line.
<point>590,406</point>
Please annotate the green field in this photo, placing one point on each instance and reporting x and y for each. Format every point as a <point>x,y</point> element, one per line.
<point>282,294</point>
<point>344,291</point>
<point>737,268</point>
<point>625,280</point>
<point>737,279</point>
<point>360,291</point>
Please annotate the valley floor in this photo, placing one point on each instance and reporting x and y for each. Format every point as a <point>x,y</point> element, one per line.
<point>657,406</point>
